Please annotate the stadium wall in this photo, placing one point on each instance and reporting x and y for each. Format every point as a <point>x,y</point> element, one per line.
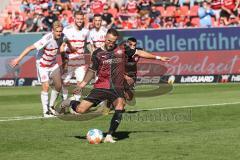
<point>198,55</point>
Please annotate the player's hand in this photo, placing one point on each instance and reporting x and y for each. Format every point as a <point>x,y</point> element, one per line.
<point>13,63</point>
<point>165,59</point>
<point>129,80</point>
<point>77,90</point>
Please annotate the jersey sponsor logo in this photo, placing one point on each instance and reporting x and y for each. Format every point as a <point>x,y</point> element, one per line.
<point>119,52</point>
<point>112,61</point>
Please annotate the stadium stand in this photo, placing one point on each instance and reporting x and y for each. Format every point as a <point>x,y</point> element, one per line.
<point>30,15</point>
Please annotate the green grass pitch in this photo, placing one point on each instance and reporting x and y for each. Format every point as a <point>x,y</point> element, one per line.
<point>193,122</point>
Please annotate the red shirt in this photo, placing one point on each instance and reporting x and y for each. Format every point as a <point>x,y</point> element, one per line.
<point>229,4</point>
<point>216,4</point>
<point>97,7</point>
<point>131,6</point>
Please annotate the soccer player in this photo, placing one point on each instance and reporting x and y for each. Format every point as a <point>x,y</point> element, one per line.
<point>97,33</point>
<point>131,65</point>
<point>97,38</point>
<point>74,62</point>
<point>47,67</point>
<point>108,63</point>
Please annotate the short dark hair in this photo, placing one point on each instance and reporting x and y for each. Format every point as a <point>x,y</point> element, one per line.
<point>132,39</point>
<point>112,31</point>
<point>78,13</point>
<point>97,15</point>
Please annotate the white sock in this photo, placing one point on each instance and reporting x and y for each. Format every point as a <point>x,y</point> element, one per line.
<point>54,95</point>
<point>44,99</point>
<point>64,93</point>
<point>77,97</point>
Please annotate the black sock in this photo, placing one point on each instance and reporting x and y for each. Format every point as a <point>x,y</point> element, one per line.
<point>74,104</point>
<point>116,119</point>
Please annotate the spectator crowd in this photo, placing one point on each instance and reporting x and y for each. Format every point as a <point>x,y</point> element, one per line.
<point>39,15</point>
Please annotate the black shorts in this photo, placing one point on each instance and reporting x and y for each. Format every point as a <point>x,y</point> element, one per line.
<point>98,95</point>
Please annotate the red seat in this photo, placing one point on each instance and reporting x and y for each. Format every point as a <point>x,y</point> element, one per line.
<point>194,10</point>
<point>195,21</point>
<point>184,10</point>
<point>170,11</point>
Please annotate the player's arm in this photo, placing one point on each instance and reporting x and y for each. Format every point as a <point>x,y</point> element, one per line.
<point>237,5</point>
<point>90,47</point>
<point>69,45</point>
<point>145,54</point>
<point>16,61</point>
<point>91,71</point>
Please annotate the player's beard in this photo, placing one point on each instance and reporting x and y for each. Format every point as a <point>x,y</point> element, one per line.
<point>79,27</point>
<point>110,48</point>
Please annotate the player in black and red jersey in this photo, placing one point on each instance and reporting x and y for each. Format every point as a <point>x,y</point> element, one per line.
<point>132,59</point>
<point>108,63</point>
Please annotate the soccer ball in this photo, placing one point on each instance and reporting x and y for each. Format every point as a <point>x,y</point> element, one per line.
<point>94,136</point>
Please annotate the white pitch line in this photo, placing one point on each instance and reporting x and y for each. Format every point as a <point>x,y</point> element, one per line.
<point>7,119</point>
<point>190,106</point>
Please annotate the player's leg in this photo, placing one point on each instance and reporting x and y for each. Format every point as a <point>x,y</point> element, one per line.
<point>116,119</point>
<point>119,104</point>
<point>79,74</point>
<point>66,77</point>
<point>44,98</point>
<point>43,77</point>
<point>57,82</point>
<point>93,98</point>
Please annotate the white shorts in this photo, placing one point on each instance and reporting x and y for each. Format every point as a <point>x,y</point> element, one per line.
<point>44,73</point>
<point>78,72</point>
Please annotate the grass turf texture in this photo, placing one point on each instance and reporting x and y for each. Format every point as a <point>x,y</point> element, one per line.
<point>209,132</point>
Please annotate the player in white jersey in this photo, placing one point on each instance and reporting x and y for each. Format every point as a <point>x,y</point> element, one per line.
<point>75,64</point>
<point>47,67</point>
<point>96,39</point>
<point>97,35</point>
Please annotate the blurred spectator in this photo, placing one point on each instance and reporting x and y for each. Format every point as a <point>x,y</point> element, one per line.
<point>216,5</point>
<point>131,6</point>
<point>28,25</point>
<point>25,6</point>
<point>39,26</point>
<point>144,7</point>
<point>189,2</point>
<point>233,21</point>
<point>65,4</point>
<point>229,8</point>
<point>144,22</point>
<point>156,23</point>
<point>56,6</point>
<point>169,22</point>
<point>96,7</point>
<point>122,16</point>
<point>17,22</point>
<point>107,17</point>
<point>133,22</point>
<point>205,14</point>
<point>49,20</point>
<point>8,22</point>
<point>65,20</point>
<point>154,13</point>
<point>83,6</point>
